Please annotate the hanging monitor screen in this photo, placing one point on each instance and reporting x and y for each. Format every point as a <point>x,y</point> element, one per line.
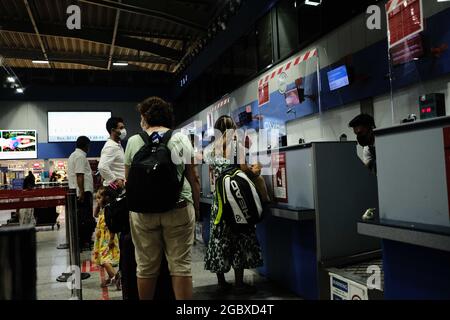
<point>68,126</point>
<point>338,78</point>
<point>18,144</point>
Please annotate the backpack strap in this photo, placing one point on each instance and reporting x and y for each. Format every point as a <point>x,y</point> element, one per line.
<point>166,137</point>
<point>164,141</point>
<point>145,137</point>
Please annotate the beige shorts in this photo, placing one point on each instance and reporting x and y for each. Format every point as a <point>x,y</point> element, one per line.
<point>171,232</point>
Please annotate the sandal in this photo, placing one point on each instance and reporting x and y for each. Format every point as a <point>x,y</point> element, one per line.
<point>117,281</point>
<point>106,283</point>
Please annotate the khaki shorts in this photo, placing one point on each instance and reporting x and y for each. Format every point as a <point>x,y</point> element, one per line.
<point>173,232</point>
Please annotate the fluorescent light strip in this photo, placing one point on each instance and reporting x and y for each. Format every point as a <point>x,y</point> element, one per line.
<point>120,64</point>
<point>19,90</point>
<point>11,79</point>
<point>40,61</point>
<point>313,2</point>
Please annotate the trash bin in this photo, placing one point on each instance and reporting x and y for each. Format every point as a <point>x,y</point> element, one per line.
<point>18,263</point>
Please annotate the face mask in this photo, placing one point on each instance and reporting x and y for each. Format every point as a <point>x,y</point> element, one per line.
<point>363,140</point>
<point>123,134</point>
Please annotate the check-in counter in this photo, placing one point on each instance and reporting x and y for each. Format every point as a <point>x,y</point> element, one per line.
<point>413,163</point>
<point>313,226</point>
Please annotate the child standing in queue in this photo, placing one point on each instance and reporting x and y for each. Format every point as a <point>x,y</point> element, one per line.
<point>106,248</point>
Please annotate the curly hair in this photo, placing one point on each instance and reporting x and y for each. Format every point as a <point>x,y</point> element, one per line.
<point>157,112</point>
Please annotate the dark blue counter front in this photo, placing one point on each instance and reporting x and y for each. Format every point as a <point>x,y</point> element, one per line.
<point>289,251</point>
<point>415,273</point>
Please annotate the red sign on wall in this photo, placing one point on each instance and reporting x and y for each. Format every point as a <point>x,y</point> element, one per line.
<point>263,94</point>
<point>279,177</point>
<point>404,19</point>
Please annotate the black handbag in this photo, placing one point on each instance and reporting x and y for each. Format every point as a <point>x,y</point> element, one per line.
<point>117,215</point>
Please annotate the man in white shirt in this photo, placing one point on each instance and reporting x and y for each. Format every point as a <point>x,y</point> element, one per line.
<point>112,169</point>
<point>80,178</point>
<point>112,158</point>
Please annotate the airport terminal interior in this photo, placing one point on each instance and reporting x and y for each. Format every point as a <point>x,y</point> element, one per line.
<point>224,150</point>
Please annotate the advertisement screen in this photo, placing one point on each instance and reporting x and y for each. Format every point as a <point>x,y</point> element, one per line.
<point>18,144</point>
<point>338,78</point>
<point>68,126</point>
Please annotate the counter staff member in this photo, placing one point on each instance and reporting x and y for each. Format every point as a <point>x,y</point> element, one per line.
<point>112,158</point>
<point>363,126</point>
<point>80,178</point>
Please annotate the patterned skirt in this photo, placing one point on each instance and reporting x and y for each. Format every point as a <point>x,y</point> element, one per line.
<point>230,249</point>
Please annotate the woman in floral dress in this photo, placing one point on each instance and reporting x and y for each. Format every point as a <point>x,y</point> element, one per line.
<point>228,248</point>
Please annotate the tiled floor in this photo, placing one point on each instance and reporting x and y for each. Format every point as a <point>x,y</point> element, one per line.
<point>53,262</point>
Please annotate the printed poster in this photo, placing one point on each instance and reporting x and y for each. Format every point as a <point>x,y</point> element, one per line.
<point>263,94</point>
<point>279,177</point>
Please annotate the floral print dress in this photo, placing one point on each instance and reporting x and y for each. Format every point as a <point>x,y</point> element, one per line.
<point>226,247</point>
<point>102,253</point>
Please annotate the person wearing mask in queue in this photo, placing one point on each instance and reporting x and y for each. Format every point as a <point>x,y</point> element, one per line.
<point>227,248</point>
<point>363,126</point>
<point>112,158</point>
<point>80,178</point>
<point>112,169</point>
<point>170,233</point>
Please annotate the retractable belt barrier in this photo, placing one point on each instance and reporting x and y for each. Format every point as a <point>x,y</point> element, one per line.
<point>34,198</point>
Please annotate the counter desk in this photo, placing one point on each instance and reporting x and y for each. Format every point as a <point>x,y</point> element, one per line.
<point>413,163</point>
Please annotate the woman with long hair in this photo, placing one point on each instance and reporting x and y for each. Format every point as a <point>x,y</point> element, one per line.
<point>228,248</point>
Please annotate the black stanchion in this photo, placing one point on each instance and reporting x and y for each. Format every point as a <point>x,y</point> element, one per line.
<point>75,275</point>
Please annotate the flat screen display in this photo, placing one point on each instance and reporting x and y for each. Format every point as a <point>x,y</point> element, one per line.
<point>68,126</point>
<point>338,78</point>
<point>18,144</point>
<point>292,98</point>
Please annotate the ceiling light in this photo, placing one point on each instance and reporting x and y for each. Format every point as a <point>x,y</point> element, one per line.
<point>19,90</point>
<point>313,2</point>
<point>120,64</point>
<point>222,25</point>
<point>40,61</point>
<point>11,79</point>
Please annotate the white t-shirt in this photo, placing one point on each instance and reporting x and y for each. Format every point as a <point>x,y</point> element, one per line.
<point>78,163</point>
<point>367,155</point>
<point>112,162</point>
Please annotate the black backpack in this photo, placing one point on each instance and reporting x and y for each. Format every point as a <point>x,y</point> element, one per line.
<point>117,215</point>
<point>153,185</point>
